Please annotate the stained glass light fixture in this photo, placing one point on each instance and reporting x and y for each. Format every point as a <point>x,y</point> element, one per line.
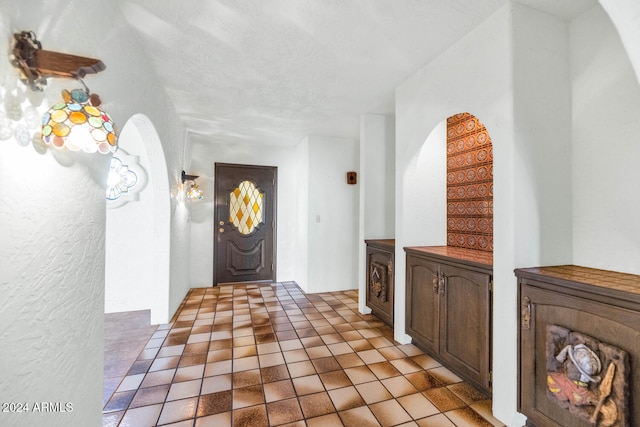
<point>75,123</point>
<point>120,179</point>
<point>78,124</point>
<point>193,193</point>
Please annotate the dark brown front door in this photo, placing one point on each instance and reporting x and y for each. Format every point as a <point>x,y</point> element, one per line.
<point>244,227</point>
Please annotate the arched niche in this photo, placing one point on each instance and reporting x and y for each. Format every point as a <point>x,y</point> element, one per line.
<point>448,187</point>
<point>138,232</point>
<point>424,182</point>
<point>469,183</point>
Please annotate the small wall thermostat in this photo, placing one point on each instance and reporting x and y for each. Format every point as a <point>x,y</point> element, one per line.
<point>352,178</point>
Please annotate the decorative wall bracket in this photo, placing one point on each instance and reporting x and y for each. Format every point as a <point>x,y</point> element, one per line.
<point>77,123</point>
<point>36,65</point>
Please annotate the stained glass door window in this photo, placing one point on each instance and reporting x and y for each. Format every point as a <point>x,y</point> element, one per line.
<point>246,207</point>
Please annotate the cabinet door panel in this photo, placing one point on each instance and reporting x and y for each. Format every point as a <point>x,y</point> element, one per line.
<point>612,325</point>
<point>422,317</point>
<point>380,284</point>
<point>465,322</point>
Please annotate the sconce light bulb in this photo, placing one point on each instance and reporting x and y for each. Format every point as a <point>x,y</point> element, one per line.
<point>78,137</point>
<point>113,178</point>
<point>194,192</point>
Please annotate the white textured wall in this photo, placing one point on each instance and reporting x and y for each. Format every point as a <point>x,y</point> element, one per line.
<point>53,253</point>
<point>127,87</point>
<point>333,215</point>
<point>606,125</point>
<point>52,216</point>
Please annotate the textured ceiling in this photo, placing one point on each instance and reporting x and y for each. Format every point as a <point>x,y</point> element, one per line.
<point>275,71</point>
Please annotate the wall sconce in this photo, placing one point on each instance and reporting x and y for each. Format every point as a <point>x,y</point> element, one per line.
<point>193,193</point>
<point>120,179</point>
<point>76,123</point>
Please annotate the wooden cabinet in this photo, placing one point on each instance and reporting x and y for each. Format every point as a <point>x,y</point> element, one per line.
<point>380,284</point>
<point>594,308</point>
<point>449,306</point>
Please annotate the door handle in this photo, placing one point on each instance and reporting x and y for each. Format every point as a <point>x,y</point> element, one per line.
<point>438,283</point>
<point>525,314</point>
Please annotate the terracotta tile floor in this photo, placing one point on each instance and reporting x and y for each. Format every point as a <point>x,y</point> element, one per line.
<point>126,335</point>
<point>270,355</point>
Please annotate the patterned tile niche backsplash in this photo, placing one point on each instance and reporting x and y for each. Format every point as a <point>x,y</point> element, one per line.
<point>469,184</point>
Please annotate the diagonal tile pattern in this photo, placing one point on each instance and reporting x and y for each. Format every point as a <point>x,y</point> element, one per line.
<point>270,355</point>
<point>126,335</point>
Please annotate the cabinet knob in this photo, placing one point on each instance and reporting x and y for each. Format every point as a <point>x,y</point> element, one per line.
<point>436,283</point>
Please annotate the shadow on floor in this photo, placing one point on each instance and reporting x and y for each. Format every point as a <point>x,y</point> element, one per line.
<point>125,336</point>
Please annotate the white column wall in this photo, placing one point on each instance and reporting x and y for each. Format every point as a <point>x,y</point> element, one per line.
<point>377,189</point>
<point>606,125</point>
<point>443,88</point>
<point>377,155</point>
<point>52,259</point>
<point>301,257</point>
<point>130,249</point>
<point>542,148</point>
<point>527,185</point>
<point>332,215</point>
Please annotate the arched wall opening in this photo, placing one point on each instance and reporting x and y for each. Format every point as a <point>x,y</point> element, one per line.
<point>138,233</point>
<point>452,169</point>
<point>448,187</point>
<point>469,184</point>
<point>424,182</point>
